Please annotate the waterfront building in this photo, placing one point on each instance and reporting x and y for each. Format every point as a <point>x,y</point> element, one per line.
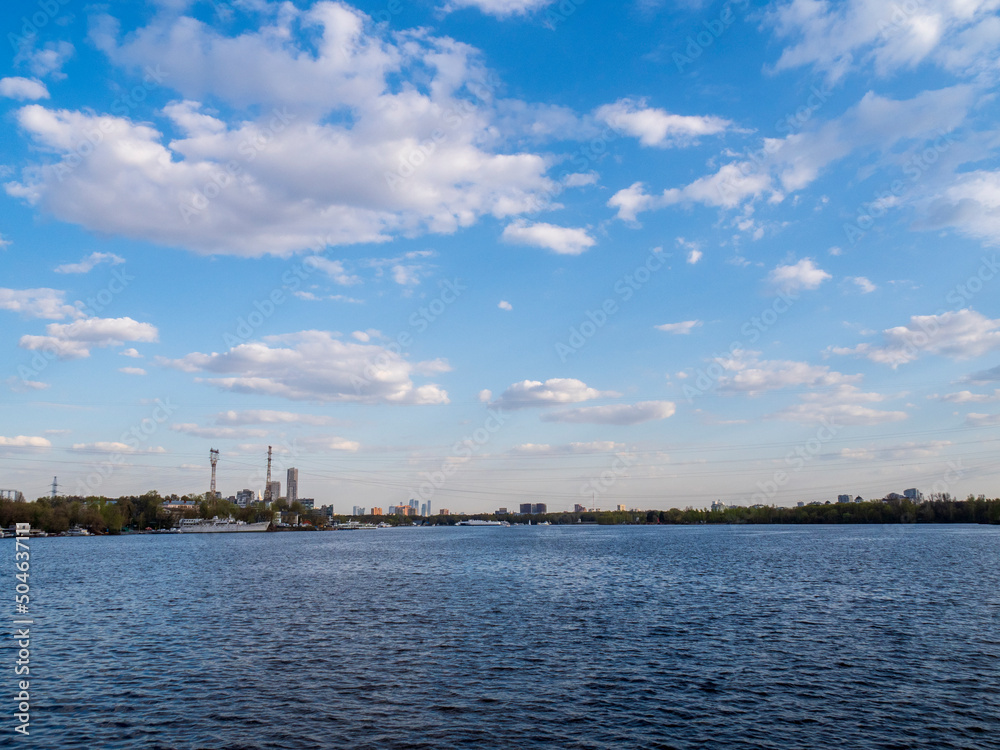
<point>538,508</point>
<point>307,503</point>
<point>245,498</point>
<point>358,511</point>
<point>621,507</point>
<point>444,512</point>
<point>423,509</point>
<point>525,509</point>
<point>859,499</point>
<point>914,494</point>
<point>843,498</point>
<point>273,490</point>
<point>579,508</point>
<point>718,505</point>
<point>376,512</point>
<point>292,485</point>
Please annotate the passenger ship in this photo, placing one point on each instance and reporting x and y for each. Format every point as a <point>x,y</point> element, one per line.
<point>213,525</point>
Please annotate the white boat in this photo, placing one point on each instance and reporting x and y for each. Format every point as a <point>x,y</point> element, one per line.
<point>77,531</point>
<point>478,522</point>
<point>218,525</point>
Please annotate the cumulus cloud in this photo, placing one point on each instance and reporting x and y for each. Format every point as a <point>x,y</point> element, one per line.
<point>552,392</point>
<point>49,304</point>
<point>838,37</point>
<point>315,366</point>
<point>617,414</point>
<point>20,385</point>
<point>561,240</point>
<point>961,334</point>
<point>337,153</point>
<point>794,278</point>
<point>217,433</point>
<point>23,88</point>
<point>270,416</point>
<point>864,285</point>
<point>24,441</point>
<point>845,405</point>
<point>754,376</point>
<point>967,397</point>
<point>785,165</point>
<point>657,127</point>
<point>88,263</point>
<point>683,328</point>
<point>115,447</point>
<point>132,370</point>
<point>500,8</point>
<point>970,204</point>
<point>505,305</point>
<point>75,340</point>
<point>982,420</point>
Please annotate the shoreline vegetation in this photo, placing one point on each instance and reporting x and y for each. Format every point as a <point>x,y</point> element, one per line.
<point>138,513</point>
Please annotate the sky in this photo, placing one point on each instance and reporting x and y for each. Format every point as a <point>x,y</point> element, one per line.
<point>489,252</point>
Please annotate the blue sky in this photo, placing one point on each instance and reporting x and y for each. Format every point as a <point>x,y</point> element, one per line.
<point>488,252</point>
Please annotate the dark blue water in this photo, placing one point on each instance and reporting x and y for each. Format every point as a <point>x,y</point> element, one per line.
<point>542,637</point>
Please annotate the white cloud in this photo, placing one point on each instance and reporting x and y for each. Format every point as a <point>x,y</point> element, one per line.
<point>38,303</point>
<point>961,334</point>
<point>89,263</point>
<point>599,446</point>
<point>130,352</point>
<point>48,60</point>
<point>846,405</point>
<point>552,392</point>
<point>24,441</point>
<point>332,268</point>
<point>115,447</point>
<point>657,127</point>
<point>682,328</point>
<point>802,275</point>
<point>562,240</point>
<point>505,305</point>
<point>75,340</point>
<point>23,88</point>
<point>838,37</point>
<point>864,285</point>
<point>270,416</point>
<point>970,204</point>
<point>982,420</point>
<point>339,147</point>
<point>580,179</point>
<point>325,444</point>
<point>217,433</point>
<point>315,366</point>
<point>132,370</point>
<point>786,165</point>
<point>755,376</point>
<point>967,397</point>
<point>485,396</point>
<point>20,385</point>
<point>500,8</point>
<point>617,414</point>
<point>903,452</point>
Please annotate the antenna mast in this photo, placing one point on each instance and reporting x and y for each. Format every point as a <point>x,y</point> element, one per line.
<point>213,456</point>
<point>267,486</point>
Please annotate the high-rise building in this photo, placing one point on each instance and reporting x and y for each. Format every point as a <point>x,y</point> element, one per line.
<point>273,490</point>
<point>579,508</point>
<point>444,512</point>
<point>376,511</point>
<point>292,486</point>
<point>307,503</point>
<point>843,498</point>
<point>538,508</point>
<point>525,509</point>
<point>245,498</point>
<point>358,511</point>
<point>914,494</point>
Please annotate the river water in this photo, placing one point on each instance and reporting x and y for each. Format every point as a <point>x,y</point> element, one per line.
<point>522,637</point>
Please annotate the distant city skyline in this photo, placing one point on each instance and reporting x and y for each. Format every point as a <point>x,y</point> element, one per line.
<point>489,253</point>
